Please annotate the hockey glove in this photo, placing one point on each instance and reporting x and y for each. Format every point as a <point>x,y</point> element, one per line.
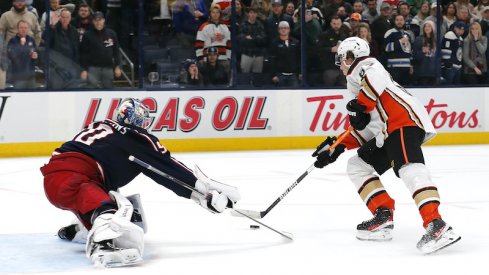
<point>356,112</point>
<point>326,157</point>
<point>324,146</point>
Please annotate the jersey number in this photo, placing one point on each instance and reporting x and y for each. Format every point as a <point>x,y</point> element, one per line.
<point>91,135</point>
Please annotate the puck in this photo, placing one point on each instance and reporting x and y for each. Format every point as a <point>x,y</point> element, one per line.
<point>254,226</point>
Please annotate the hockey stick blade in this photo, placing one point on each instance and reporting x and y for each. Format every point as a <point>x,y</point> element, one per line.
<point>251,213</point>
<point>284,234</point>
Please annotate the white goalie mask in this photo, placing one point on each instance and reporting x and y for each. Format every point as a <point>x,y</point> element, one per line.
<point>357,46</point>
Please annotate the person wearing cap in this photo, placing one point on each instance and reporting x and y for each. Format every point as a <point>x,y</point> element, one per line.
<point>451,53</point>
<point>215,73</point>
<point>8,30</point>
<point>213,33</point>
<point>55,13</point>
<point>190,76</point>
<point>285,57</point>
<point>276,16</point>
<point>474,56</point>
<point>99,54</point>
<point>353,23</point>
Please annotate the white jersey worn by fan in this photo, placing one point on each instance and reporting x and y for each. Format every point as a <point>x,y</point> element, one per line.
<point>389,104</point>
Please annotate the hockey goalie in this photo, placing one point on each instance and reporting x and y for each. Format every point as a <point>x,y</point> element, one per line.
<point>85,173</point>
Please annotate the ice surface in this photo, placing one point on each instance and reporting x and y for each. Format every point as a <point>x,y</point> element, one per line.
<point>321,212</point>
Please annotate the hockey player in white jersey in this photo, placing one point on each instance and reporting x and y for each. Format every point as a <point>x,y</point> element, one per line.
<point>390,125</point>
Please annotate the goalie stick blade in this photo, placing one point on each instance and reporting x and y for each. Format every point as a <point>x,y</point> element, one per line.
<point>250,213</point>
<point>286,235</point>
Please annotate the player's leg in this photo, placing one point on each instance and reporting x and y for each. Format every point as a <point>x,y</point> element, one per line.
<point>363,170</point>
<point>405,149</point>
<point>114,240</point>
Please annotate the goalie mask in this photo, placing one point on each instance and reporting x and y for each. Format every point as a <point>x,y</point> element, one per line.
<point>132,111</point>
<point>355,45</point>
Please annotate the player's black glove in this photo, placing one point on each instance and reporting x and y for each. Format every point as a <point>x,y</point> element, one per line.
<point>356,112</point>
<point>325,156</point>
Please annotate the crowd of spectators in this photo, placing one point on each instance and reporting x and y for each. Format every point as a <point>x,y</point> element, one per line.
<point>251,42</point>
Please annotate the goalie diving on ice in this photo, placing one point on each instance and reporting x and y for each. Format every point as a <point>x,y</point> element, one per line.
<point>84,174</point>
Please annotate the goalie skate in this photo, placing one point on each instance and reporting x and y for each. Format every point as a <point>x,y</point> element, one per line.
<point>379,228</point>
<point>104,254</point>
<point>438,236</point>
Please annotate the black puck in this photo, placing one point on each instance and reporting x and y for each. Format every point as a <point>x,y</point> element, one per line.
<point>253,226</point>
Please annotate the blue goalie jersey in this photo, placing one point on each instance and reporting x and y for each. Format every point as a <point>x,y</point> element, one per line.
<point>110,144</point>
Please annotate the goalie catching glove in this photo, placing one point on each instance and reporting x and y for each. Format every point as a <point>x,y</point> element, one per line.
<point>356,113</point>
<point>212,195</point>
<point>324,155</point>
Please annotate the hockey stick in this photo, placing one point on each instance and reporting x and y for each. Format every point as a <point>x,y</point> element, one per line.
<point>261,214</point>
<point>185,185</point>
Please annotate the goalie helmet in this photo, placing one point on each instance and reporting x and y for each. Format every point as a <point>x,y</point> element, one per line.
<point>132,111</point>
<point>356,45</point>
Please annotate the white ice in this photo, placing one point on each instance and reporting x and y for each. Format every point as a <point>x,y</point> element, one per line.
<point>321,212</point>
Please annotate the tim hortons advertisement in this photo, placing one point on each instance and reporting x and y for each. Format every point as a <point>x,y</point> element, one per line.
<point>57,116</point>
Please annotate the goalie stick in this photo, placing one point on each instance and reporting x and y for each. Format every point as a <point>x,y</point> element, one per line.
<point>185,185</point>
<point>261,214</point>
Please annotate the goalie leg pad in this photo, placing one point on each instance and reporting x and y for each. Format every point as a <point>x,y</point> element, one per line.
<point>138,217</point>
<point>114,240</point>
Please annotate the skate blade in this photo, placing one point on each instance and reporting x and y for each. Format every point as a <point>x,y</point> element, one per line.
<point>379,235</point>
<point>447,239</point>
<point>117,258</point>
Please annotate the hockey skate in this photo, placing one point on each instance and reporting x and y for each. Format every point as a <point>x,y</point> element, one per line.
<point>105,254</point>
<point>379,228</point>
<point>438,236</point>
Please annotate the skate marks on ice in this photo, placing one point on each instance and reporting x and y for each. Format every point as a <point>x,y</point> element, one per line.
<point>43,252</point>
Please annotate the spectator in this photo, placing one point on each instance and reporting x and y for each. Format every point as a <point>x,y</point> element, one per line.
<point>64,40</point>
<point>371,13</point>
<point>466,4</point>
<point>474,56</point>
<point>275,18</point>
<point>225,8</point>
<point>423,13</point>
<point>381,25</point>
<point>215,74</point>
<point>83,21</point>
<point>451,53</point>
<point>190,76</point>
<point>290,8</point>
<point>399,51</point>
<point>99,54</point>
<point>240,14</point>
<point>262,7</point>
<point>485,21</point>
<point>409,24</point>
<point>214,33</point>
<point>364,33</point>
<point>55,13</point>
<point>353,23</point>
<point>23,53</point>
<point>285,57</point>
<point>463,14</point>
<point>315,12</point>
<point>188,16</point>
<point>416,5</point>
<point>449,17</point>
<point>358,7</point>
<point>332,7</point>
<point>252,43</point>
<point>479,9</point>
<point>424,50</point>
<point>327,47</point>
<point>8,29</point>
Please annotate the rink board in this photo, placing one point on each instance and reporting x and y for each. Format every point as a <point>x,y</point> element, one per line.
<point>35,123</point>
